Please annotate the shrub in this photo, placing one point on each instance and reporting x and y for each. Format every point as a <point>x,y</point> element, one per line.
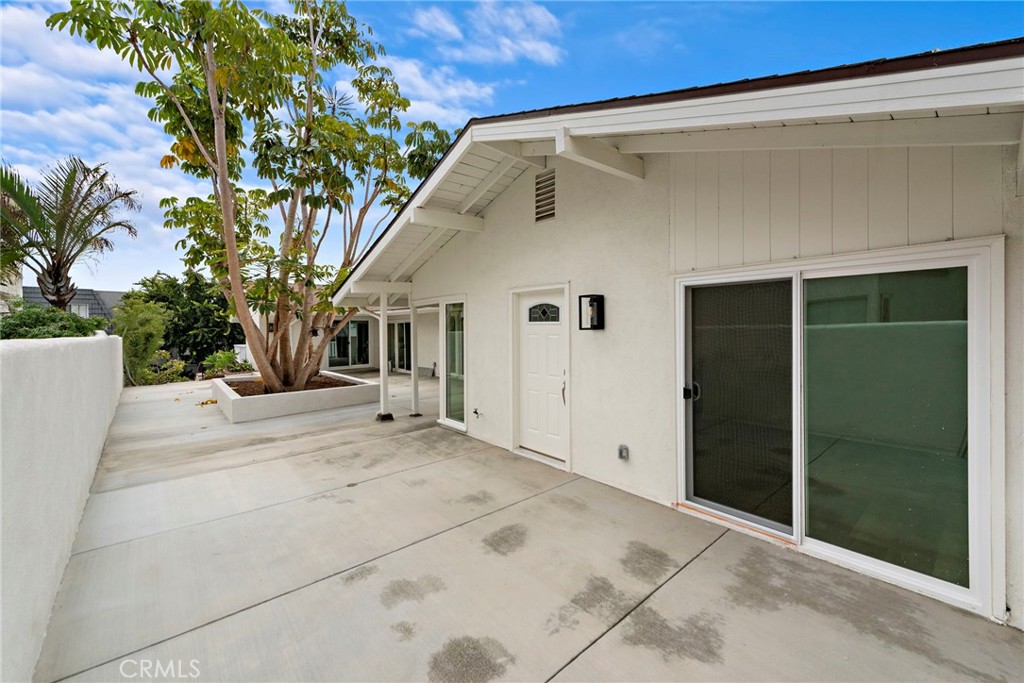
<point>225,361</point>
<point>141,327</point>
<point>36,322</point>
<point>162,370</point>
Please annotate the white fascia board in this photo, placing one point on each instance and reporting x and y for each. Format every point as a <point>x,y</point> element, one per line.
<point>984,129</point>
<point>992,83</point>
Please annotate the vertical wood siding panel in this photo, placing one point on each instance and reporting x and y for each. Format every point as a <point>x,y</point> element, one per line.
<point>707,210</point>
<point>849,200</point>
<point>785,204</point>
<point>730,208</point>
<point>887,197</point>
<point>684,225</point>
<point>930,188</point>
<point>977,191</point>
<point>815,202</point>
<point>756,207</point>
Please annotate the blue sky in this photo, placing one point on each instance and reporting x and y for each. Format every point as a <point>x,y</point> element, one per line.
<point>455,60</point>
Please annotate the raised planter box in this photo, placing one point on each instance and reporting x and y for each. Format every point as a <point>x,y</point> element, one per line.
<point>248,408</point>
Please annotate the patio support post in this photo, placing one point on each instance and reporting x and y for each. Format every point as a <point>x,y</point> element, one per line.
<point>414,353</point>
<point>382,337</point>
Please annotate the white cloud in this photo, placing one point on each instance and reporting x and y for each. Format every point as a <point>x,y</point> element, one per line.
<point>434,22</point>
<point>496,33</point>
<point>439,94</point>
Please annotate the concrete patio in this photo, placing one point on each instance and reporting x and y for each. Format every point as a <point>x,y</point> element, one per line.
<point>330,547</point>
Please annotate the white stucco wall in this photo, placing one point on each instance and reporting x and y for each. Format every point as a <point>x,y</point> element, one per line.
<point>58,399</point>
<point>697,213</point>
<point>617,247</point>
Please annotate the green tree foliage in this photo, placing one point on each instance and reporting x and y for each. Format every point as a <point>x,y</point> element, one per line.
<point>198,316</point>
<point>141,325</point>
<point>71,213</point>
<point>37,322</point>
<point>327,159</point>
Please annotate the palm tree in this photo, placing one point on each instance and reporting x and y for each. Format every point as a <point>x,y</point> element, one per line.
<point>71,213</point>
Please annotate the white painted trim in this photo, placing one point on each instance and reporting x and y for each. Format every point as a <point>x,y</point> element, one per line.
<point>986,407</point>
<point>513,429</point>
<point>988,83</point>
<point>984,129</point>
<point>435,218</point>
<point>513,150</point>
<point>494,176</point>
<point>368,287</point>
<point>598,155</point>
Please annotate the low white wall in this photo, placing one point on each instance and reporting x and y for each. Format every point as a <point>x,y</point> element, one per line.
<point>57,402</point>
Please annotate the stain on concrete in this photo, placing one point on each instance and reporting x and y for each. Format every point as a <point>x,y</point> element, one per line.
<point>320,496</point>
<point>406,590</point>
<point>416,483</point>
<point>481,497</point>
<point>405,630</point>
<point>359,573</point>
<point>564,618</point>
<point>697,638</point>
<point>646,563</point>
<point>602,599</point>
<point>568,503</point>
<point>507,539</point>
<point>767,581</point>
<point>466,659</point>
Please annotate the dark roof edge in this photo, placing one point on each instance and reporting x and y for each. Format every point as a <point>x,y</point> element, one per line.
<point>983,52</point>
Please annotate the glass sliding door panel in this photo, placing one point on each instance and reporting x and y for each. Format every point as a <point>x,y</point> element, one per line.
<point>360,336</point>
<point>338,352</point>
<point>885,374</point>
<point>455,379</point>
<point>741,359</point>
<point>403,352</point>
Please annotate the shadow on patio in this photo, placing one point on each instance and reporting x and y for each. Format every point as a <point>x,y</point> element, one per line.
<point>330,547</point>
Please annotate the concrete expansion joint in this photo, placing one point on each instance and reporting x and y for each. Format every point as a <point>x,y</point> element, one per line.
<point>637,606</point>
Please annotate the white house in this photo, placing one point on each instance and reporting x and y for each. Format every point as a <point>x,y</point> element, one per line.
<point>813,328</point>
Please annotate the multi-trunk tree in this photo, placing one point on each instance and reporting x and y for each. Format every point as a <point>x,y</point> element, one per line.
<point>237,87</point>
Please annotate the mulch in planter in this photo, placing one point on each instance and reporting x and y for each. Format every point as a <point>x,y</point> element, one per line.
<point>255,387</point>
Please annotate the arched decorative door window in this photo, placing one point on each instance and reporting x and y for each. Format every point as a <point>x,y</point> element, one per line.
<point>544,313</point>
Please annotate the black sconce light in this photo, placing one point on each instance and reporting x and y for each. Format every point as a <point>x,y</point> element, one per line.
<point>591,311</point>
<point>314,332</point>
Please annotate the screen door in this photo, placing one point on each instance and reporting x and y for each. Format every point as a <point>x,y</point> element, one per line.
<point>739,400</point>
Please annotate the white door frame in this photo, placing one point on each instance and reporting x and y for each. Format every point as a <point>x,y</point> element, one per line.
<point>442,362</point>
<point>986,411</point>
<point>514,294</point>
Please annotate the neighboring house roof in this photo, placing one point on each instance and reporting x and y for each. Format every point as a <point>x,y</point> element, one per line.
<point>101,302</point>
<point>965,95</point>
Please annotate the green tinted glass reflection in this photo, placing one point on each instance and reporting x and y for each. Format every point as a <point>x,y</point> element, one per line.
<point>885,371</point>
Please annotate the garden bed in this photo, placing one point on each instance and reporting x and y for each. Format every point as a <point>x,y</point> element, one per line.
<point>241,397</point>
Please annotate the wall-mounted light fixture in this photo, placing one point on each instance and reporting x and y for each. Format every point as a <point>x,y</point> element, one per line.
<point>591,311</point>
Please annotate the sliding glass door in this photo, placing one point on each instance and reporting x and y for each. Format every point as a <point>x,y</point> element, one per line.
<point>836,405</point>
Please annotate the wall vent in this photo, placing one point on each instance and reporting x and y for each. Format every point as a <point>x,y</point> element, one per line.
<point>544,196</point>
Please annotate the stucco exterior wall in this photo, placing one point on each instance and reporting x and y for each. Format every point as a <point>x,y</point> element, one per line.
<point>617,247</point>
<point>59,397</point>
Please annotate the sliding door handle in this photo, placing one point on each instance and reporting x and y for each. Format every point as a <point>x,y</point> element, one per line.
<point>691,393</point>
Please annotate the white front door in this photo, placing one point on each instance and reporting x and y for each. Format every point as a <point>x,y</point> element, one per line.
<point>543,373</point>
